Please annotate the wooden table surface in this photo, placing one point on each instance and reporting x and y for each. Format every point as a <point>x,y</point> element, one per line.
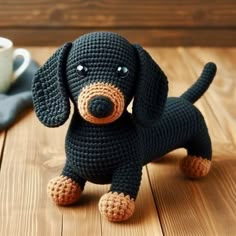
<point>167,204</point>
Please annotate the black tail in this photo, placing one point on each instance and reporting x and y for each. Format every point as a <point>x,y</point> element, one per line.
<point>202,84</point>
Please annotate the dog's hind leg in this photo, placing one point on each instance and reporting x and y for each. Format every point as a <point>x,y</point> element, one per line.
<point>198,161</point>
<point>66,188</point>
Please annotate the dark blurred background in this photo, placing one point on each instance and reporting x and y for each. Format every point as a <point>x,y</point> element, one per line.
<point>149,22</point>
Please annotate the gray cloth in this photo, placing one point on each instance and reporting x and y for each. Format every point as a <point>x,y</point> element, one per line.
<point>19,96</point>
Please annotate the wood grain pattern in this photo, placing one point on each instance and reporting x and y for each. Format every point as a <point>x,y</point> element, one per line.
<point>85,217</point>
<point>144,36</point>
<point>118,13</point>
<point>23,178</point>
<point>202,207</point>
<point>165,23</point>
<point>167,204</point>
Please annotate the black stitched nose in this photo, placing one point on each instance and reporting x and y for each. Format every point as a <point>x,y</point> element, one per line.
<point>100,106</point>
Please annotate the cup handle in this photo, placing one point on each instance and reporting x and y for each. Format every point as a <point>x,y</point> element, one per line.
<point>27,58</point>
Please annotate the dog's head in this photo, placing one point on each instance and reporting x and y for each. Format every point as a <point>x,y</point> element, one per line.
<point>100,72</point>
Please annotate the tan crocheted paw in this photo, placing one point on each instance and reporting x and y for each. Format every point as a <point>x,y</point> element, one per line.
<point>116,207</point>
<point>63,190</point>
<point>193,166</point>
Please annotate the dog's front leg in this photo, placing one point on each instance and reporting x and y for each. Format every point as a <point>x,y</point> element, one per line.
<point>66,188</point>
<point>118,203</point>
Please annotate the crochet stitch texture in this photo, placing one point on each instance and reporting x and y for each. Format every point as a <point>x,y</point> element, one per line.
<point>100,73</point>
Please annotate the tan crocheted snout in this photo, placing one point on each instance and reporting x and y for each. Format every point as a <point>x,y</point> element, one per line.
<point>105,90</point>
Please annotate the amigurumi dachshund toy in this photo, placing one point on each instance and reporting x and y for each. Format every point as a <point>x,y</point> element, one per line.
<point>101,73</point>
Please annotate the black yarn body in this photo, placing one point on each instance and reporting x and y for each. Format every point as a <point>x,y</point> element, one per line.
<point>116,152</point>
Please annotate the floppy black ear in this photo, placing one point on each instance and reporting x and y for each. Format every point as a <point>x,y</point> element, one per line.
<point>50,98</point>
<point>151,91</point>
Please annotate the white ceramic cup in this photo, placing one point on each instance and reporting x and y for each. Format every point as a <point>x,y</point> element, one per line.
<point>7,55</point>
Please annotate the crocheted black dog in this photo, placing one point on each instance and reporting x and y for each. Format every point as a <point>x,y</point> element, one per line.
<point>101,72</point>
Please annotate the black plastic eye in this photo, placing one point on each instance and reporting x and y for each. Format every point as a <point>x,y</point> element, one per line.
<point>122,71</point>
<point>82,70</point>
